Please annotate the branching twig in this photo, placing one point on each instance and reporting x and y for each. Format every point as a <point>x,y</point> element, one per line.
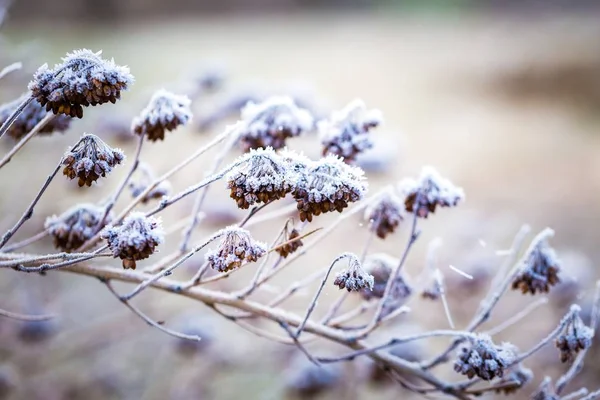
<point>26,317</point>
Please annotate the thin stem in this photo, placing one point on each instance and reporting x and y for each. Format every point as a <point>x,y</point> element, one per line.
<point>592,396</point>
<point>29,212</point>
<point>48,267</point>
<point>26,317</point>
<point>294,337</point>
<point>313,303</point>
<point>36,129</point>
<point>26,242</point>
<point>12,67</point>
<point>518,316</point>
<point>149,320</point>
<point>37,259</point>
<point>572,396</point>
<point>15,114</point>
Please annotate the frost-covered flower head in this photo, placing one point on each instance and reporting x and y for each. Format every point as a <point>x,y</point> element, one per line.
<point>81,80</point>
<point>236,248</point>
<point>380,266</point>
<point>328,185</point>
<point>293,245</point>
<point>30,117</point>
<point>165,112</point>
<point>428,192</point>
<point>135,239</point>
<point>481,357</point>
<point>354,278</point>
<point>575,337</point>
<point>138,187</point>
<point>271,122</point>
<point>262,176</point>
<point>90,159</point>
<point>75,226</point>
<point>540,271</point>
<point>385,214</point>
<point>346,132</point>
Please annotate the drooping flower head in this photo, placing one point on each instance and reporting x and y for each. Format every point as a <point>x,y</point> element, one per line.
<point>294,244</point>
<point>385,214</point>
<point>540,271</point>
<point>165,112</point>
<point>82,79</point>
<point>235,248</point>
<point>346,133</point>
<point>328,185</point>
<point>576,336</point>
<point>430,191</point>
<point>271,122</point>
<point>90,159</point>
<point>380,266</point>
<point>75,226</point>
<point>354,278</point>
<point>30,117</point>
<point>481,357</point>
<point>135,239</point>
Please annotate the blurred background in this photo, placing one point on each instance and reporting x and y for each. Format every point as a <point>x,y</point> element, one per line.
<point>501,96</point>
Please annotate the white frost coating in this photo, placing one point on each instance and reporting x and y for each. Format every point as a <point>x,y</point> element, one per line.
<point>433,187</point>
<point>329,176</point>
<point>136,233</point>
<point>236,248</point>
<point>346,132</point>
<point>164,109</point>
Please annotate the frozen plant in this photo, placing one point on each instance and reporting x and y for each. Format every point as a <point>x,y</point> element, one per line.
<point>236,248</point>
<point>76,226</point>
<point>165,112</point>
<point>539,272</point>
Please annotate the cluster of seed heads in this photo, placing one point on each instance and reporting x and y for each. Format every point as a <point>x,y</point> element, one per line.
<point>90,159</point>
<point>31,115</point>
<point>82,79</point>
<point>76,226</point>
<point>346,132</point>
<point>354,278</point>
<point>236,248</point>
<point>262,177</point>
<point>385,214</point>
<point>540,271</point>
<point>328,185</point>
<point>271,122</point>
<point>429,192</point>
<point>165,112</point>
<point>293,245</point>
<point>575,337</point>
<point>135,239</point>
<point>482,358</point>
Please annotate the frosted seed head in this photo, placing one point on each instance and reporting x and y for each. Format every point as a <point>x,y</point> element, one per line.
<point>354,278</point>
<point>575,336</point>
<point>540,271</point>
<point>481,357</point>
<point>76,226</point>
<point>385,214</point>
<point>165,112</point>
<point>236,248</point>
<point>82,79</point>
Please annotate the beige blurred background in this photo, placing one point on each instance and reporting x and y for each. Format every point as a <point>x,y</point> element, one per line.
<point>502,97</point>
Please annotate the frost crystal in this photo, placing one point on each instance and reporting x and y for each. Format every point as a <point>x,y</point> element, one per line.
<point>430,191</point>
<point>328,185</point>
<point>539,272</point>
<point>30,117</point>
<point>354,278</point>
<point>75,226</point>
<point>482,358</point>
<point>136,239</point>
<point>90,159</point>
<point>576,336</point>
<point>262,176</point>
<point>235,248</point>
<point>165,112</point>
<point>346,133</point>
<point>81,80</point>
<point>272,122</point>
<point>385,214</point>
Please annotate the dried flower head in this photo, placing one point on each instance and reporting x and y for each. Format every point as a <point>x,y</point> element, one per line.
<point>346,133</point>
<point>328,185</point>
<point>354,278</point>
<point>165,112</point>
<point>236,248</point>
<point>271,122</point>
<point>292,246</point>
<point>81,80</point>
<point>30,117</point>
<point>539,272</point>
<point>385,214</point>
<point>76,226</point>
<point>136,239</point>
<point>482,358</point>
<point>261,177</point>
<point>306,380</point>
<point>138,187</point>
<point>381,266</point>
<point>90,159</point>
<point>575,337</point>
<point>513,380</point>
<point>430,191</point>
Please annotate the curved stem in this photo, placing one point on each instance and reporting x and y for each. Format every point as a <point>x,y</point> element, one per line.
<point>15,114</point>
<point>36,129</point>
